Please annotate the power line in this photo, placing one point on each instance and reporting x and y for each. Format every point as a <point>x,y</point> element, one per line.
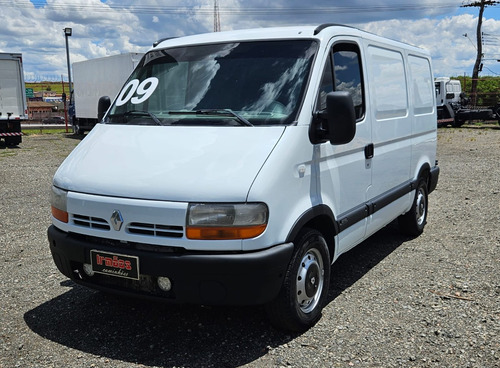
<point>491,71</point>
<point>483,3</point>
<point>472,43</point>
<point>145,9</point>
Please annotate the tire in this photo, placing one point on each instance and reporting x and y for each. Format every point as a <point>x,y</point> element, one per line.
<point>12,141</point>
<point>457,123</point>
<point>305,287</point>
<point>76,126</point>
<point>77,130</point>
<point>413,222</point>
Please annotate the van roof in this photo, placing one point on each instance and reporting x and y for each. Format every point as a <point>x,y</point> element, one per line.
<point>241,35</point>
<point>322,32</point>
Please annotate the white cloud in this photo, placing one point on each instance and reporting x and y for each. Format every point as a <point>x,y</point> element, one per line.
<point>106,27</point>
<point>453,54</point>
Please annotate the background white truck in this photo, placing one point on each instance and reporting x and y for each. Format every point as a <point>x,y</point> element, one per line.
<point>95,78</point>
<point>453,105</point>
<point>13,107</point>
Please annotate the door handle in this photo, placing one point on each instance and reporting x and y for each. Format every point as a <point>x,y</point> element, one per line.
<point>369,151</point>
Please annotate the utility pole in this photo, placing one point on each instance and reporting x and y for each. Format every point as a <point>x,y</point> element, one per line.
<point>216,17</point>
<point>67,33</point>
<point>477,65</point>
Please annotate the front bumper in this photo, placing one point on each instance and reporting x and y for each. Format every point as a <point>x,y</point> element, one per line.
<point>249,278</point>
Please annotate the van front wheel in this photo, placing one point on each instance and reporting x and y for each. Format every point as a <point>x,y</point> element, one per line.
<point>305,287</point>
<point>412,223</point>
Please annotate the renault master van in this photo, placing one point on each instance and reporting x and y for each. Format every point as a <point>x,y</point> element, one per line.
<point>234,168</point>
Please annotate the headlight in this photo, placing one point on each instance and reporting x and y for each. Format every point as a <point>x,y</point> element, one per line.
<point>212,221</point>
<point>58,199</point>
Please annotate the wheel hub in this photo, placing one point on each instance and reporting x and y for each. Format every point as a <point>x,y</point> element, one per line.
<point>310,279</point>
<point>420,208</point>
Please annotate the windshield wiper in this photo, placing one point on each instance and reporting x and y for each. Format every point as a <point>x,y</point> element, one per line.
<point>143,113</point>
<point>217,112</point>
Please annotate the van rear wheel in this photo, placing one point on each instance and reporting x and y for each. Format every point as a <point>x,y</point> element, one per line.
<point>305,287</point>
<point>413,222</point>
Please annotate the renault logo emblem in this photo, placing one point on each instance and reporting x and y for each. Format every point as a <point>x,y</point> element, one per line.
<point>116,220</point>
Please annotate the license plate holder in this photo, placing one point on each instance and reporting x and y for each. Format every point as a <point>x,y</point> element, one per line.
<point>114,264</point>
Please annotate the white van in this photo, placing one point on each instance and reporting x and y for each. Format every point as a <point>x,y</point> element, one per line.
<point>236,167</point>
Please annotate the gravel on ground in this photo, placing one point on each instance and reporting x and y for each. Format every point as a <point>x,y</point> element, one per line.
<point>431,301</point>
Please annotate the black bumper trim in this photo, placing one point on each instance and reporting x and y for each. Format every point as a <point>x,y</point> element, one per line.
<point>433,180</point>
<point>249,278</point>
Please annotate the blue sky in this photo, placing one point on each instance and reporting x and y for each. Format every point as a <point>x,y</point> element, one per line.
<point>102,28</point>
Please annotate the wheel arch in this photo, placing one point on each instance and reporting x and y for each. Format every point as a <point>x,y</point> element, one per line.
<point>424,173</point>
<point>320,218</point>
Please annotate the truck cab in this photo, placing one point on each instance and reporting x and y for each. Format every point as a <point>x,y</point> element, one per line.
<point>448,91</point>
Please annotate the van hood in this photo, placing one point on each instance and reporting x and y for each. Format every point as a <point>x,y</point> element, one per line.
<point>168,163</point>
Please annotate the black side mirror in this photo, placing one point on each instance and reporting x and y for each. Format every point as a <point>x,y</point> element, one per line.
<point>336,123</point>
<point>103,106</point>
<point>341,117</point>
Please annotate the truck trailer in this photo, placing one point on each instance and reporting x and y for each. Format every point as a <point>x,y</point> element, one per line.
<point>95,78</point>
<point>13,106</point>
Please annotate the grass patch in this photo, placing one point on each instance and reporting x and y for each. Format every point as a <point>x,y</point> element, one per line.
<point>7,153</point>
<point>43,131</point>
<point>55,87</point>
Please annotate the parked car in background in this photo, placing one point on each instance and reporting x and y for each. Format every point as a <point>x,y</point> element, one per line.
<point>54,120</point>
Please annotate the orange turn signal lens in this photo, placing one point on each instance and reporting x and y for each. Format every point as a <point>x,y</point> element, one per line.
<point>224,233</point>
<point>59,214</point>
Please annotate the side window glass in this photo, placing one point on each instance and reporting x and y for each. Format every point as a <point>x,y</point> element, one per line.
<point>421,81</point>
<point>388,83</point>
<point>348,74</point>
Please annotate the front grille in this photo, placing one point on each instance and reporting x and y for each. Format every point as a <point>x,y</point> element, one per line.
<point>119,246</point>
<point>91,222</point>
<point>164,231</point>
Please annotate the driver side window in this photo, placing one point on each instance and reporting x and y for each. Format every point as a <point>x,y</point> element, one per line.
<point>343,73</point>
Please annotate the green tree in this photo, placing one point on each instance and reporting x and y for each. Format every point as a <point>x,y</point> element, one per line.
<point>488,89</point>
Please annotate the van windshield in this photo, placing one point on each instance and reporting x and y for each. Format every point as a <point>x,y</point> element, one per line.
<point>244,83</point>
